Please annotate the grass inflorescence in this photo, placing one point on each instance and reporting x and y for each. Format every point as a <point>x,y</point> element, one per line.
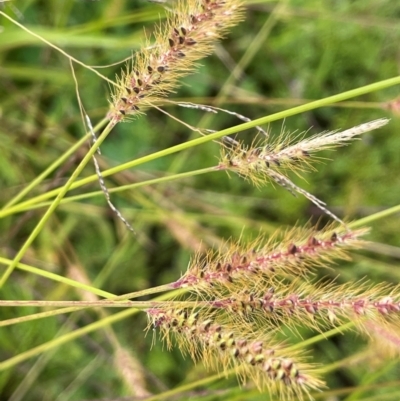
<point>221,345</point>
<point>294,252</point>
<point>191,32</point>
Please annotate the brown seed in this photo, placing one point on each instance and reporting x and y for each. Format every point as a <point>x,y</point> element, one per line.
<point>183,30</point>
<point>287,365</point>
<point>310,309</point>
<point>207,325</point>
<point>276,364</point>
<point>190,42</point>
<point>251,360</point>
<point>161,68</point>
<point>149,69</point>
<point>267,366</point>
<point>180,54</point>
<point>255,152</point>
<point>140,82</point>
<point>136,89</point>
<point>176,31</point>
<point>334,237</point>
<point>292,249</point>
<point>122,112</point>
<point>171,42</point>
<point>124,99</point>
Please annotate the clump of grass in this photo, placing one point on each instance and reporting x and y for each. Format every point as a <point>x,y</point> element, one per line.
<point>234,304</point>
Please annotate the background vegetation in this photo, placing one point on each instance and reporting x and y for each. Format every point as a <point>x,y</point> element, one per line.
<point>283,54</point>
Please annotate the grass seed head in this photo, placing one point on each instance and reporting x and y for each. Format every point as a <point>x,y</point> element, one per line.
<point>189,34</point>
<point>223,347</point>
<point>301,303</point>
<point>295,252</point>
<point>261,159</point>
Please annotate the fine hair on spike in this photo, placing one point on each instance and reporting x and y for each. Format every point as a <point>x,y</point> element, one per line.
<point>267,161</point>
<point>218,345</point>
<point>296,252</point>
<point>192,29</point>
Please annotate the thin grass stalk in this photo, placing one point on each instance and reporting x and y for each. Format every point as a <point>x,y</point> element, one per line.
<point>53,206</point>
<point>226,132</point>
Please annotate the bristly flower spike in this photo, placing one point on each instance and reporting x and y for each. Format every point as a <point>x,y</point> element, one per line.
<point>295,252</point>
<point>301,303</point>
<point>219,346</point>
<point>256,161</point>
<point>268,161</point>
<point>190,33</point>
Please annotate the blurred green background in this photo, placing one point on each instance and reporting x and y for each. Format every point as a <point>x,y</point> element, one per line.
<point>283,54</point>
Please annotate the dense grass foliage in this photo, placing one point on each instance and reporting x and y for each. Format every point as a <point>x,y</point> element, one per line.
<point>283,54</point>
